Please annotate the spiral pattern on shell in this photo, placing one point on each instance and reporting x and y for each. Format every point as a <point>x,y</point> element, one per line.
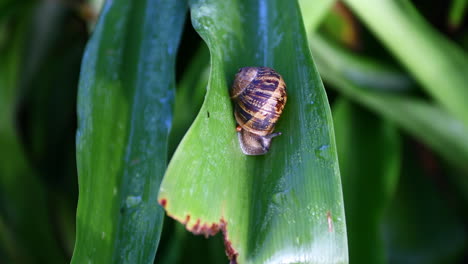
<point>259,94</point>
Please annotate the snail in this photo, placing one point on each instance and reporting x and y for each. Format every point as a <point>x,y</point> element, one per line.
<point>259,95</point>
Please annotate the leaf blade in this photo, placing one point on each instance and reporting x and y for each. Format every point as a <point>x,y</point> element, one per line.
<point>124,108</point>
<point>210,185</point>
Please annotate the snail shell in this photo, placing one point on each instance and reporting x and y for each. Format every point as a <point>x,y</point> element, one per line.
<point>259,94</point>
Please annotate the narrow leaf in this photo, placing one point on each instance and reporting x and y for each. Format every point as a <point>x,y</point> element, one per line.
<point>368,72</point>
<point>427,122</point>
<point>124,108</point>
<point>436,62</point>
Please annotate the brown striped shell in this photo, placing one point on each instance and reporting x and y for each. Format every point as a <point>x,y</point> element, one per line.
<point>259,94</point>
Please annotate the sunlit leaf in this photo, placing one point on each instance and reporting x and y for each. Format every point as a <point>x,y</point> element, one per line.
<point>285,206</point>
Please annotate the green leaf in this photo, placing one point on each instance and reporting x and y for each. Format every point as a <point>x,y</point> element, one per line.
<point>124,108</point>
<point>370,155</point>
<point>436,62</point>
<point>427,122</point>
<point>285,206</point>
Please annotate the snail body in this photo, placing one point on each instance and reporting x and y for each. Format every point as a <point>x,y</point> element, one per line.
<point>259,95</point>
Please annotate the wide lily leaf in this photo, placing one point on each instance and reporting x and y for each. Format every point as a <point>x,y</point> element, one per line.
<point>436,62</point>
<point>368,187</point>
<point>124,108</point>
<point>285,206</point>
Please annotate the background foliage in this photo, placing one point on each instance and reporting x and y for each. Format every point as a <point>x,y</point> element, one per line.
<point>148,81</point>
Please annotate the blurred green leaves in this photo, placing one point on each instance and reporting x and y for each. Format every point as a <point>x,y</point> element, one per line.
<point>436,62</point>
<point>369,149</point>
<point>426,121</point>
<point>124,110</point>
<point>285,206</point>
<point>27,208</point>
